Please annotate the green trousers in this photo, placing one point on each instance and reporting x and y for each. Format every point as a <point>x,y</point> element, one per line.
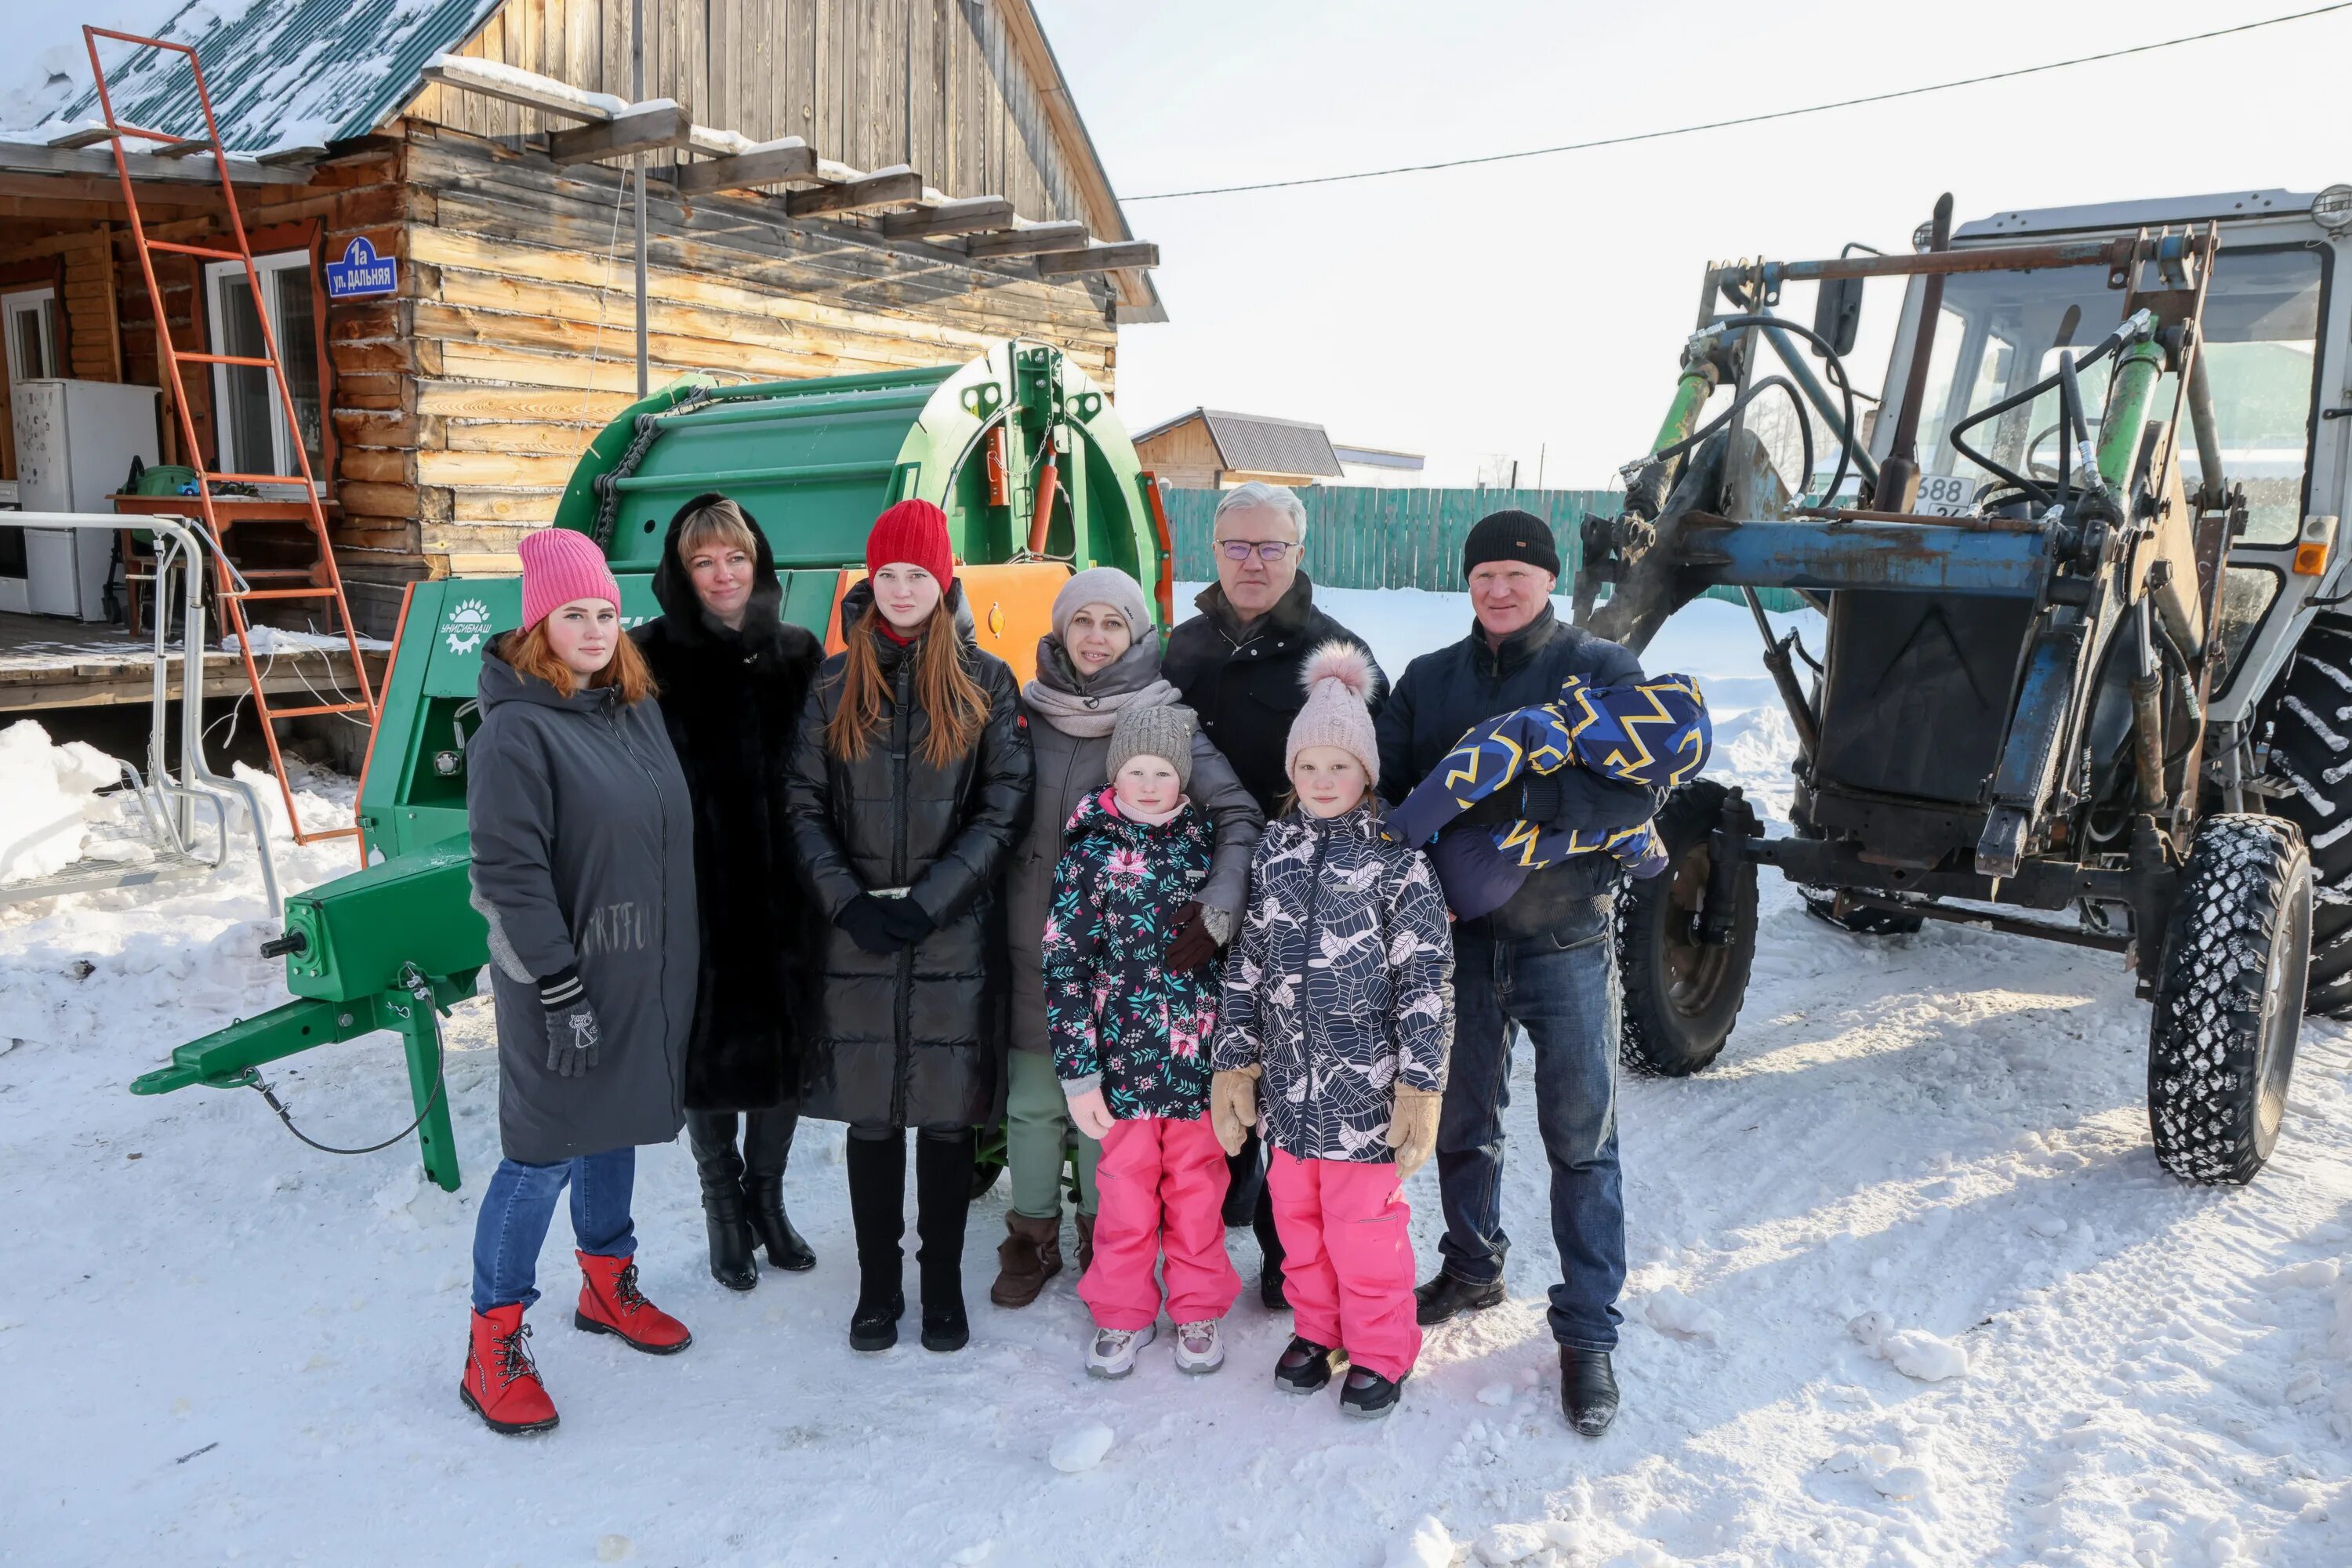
<point>1036,1131</point>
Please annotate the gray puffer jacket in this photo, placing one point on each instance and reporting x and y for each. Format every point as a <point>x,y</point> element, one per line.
<point>583,858</point>
<point>1070,770</point>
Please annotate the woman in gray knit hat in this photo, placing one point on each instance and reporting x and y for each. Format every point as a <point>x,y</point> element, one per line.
<point>1102,657</point>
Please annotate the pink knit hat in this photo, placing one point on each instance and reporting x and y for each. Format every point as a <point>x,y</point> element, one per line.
<point>1338,681</point>
<point>559,565</point>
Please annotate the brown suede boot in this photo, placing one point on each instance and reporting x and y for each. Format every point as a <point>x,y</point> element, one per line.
<point>1085,1243</point>
<point>1030,1254</point>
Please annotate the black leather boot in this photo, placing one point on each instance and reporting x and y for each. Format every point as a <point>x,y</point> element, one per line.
<point>942,1203</point>
<point>1443,1297</point>
<point>767,1144</point>
<point>878,1209</point>
<point>1587,1390</point>
<point>711,1134</point>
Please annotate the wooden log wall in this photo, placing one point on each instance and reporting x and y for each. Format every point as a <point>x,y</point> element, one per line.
<point>76,263</point>
<point>516,322</point>
<point>931,83</point>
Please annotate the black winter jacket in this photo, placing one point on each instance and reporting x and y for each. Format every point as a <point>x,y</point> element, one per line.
<point>731,701</point>
<point>913,1040</point>
<point>1442,694</point>
<point>582,859</point>
<point>1244,683</point>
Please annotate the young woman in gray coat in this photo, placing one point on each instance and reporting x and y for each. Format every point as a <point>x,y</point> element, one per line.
<point>584,866</point>
<point>1102,658</point>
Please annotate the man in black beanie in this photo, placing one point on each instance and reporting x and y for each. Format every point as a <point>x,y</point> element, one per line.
<point>1543,960</point>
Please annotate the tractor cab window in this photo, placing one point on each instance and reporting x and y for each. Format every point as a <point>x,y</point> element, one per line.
<point>2001,331</point>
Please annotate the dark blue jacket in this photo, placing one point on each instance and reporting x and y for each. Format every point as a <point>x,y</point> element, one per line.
<point>1443,694</point>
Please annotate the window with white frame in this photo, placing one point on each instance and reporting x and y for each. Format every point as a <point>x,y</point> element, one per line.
<point>251,421</point>
<point>30,319</point>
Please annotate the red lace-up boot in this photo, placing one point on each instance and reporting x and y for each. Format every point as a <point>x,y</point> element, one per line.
<point>501,1385</point>
<point>611,1303</point>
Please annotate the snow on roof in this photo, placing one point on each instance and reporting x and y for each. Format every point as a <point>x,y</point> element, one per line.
<point>282,73</point>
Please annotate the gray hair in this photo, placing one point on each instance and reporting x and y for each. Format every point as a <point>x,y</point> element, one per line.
<point>1258,493</point>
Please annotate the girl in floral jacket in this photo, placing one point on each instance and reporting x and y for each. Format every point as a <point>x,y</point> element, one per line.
<point>1339,999</point>
<point>1129,1036</point>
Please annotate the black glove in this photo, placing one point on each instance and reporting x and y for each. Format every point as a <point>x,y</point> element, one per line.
<point>572,1033</point>
<point>868,920</point>
<point>1190,945</point>
<point>907,920</point>
<point>1500,809</point>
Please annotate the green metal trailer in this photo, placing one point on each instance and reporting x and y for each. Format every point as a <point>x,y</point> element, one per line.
<point>1022,451</point>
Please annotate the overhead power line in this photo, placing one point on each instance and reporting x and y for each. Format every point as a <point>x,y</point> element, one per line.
<point>1748,118</point>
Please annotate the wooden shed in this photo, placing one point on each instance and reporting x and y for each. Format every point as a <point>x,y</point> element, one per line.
<point>833,186</point>
<point>1208,449</point>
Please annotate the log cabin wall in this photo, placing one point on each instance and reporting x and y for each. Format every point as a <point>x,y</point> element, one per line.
<point>75,263</point>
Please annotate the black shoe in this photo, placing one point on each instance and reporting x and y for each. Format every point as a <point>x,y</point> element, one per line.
<point>1368,1396</point>
<point>1270,1292</point>
<point>945,1329</point>
<point>767,1142</point>
<point>875,1325</point>
<point>1306,1366</point>
<point>1445,1297</point>
<point>711,1134</point>
<point>1587,1390</point>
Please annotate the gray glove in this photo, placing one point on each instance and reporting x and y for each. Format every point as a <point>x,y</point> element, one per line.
<point>572,1034</point>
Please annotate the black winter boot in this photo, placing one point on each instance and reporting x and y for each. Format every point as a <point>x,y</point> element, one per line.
<point>1587,1390</point>
<point>1444,1297</point>
<point>943,1204</point>
<point>767,1143</point>
<point>878,1209</point>
<point>711,1134</point>
<point>1368,1396</point>
<point>1305,1366</point>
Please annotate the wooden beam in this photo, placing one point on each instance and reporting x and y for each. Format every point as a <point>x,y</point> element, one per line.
<point>1030,239</point>
<point>790,160</point>
<point>974,214</point>
<point>81,136</point>
<point>641,127</point>
<point>28,158</point>
<point>898,188</point>
<point>1099,259</point>
<point>528,90</point>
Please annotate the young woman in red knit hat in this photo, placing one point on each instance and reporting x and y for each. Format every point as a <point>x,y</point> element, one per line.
<point>908,784</point>
<point>584,866</point>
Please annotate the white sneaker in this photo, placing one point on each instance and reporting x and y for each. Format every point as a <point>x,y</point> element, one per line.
<point>1200,1349</point>
<point>1114,1350</point>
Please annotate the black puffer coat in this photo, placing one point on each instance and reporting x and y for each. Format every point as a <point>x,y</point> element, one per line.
<point>914,1039</point>
<point>731,701</point>
<point>1244,682</point>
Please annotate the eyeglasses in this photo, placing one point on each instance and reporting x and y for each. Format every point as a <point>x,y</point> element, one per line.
<point>1268,550</point>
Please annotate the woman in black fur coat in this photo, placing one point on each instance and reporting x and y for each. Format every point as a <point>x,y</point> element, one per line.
<point>734,676</point>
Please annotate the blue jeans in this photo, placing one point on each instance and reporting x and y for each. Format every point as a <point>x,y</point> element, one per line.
<point>1566,999</point>
<point>519,1204</point>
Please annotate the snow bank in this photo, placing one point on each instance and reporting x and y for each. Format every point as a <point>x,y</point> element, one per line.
<point>48,799</point>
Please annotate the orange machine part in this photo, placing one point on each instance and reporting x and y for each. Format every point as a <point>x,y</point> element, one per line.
<point>1011,608</point>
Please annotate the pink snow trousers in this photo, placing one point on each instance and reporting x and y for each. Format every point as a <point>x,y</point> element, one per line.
<point>1347,1233</point>
<point>1162,1189</point>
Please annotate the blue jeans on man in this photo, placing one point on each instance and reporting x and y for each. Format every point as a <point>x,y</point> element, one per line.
<point>519,1204</point>
<point>1567,999</point>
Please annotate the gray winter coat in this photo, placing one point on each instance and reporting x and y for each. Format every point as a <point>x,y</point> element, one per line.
<point>1070,768</point>
<point>583,858</point>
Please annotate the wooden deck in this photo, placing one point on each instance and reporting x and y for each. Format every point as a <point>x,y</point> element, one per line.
<point>46,663</point>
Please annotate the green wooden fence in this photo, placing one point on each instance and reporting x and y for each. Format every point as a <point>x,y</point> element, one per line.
<point>1367,536</point>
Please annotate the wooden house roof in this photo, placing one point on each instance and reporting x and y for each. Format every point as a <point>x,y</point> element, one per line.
<point>1252,443</point>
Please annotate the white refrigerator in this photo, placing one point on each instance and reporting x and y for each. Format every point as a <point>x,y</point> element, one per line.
<point>75,441</point>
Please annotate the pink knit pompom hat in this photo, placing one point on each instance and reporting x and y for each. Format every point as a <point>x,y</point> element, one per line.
<point>1338,681</point>
<point>559,565</point>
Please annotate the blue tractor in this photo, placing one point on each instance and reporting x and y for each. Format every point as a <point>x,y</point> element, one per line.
<point>2087,670</point>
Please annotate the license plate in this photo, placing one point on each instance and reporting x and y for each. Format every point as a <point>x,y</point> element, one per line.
<point>1946,495</point>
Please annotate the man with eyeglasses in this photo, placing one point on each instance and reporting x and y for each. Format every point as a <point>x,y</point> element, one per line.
<point>1237,665</point>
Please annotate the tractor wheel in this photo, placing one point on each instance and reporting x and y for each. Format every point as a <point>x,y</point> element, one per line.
<point>2229,999</point>
<point>2311,749</point>
<point>1682,995</point>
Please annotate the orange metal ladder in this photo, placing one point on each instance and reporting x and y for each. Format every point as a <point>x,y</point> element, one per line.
<point>321,581</point>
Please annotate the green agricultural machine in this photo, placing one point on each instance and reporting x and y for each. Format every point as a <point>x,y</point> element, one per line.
<point>1022,450</point>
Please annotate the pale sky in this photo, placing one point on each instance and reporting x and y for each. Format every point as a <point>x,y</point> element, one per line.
<point>1542,302</point>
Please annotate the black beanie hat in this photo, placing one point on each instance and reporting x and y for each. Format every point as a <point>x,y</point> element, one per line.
<point>1511,536</point>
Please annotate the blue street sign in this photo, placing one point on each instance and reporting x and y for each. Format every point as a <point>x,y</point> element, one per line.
<point>362,272</point>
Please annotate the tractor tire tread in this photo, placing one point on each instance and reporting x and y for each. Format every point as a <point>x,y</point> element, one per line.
<point>1650,1040</point>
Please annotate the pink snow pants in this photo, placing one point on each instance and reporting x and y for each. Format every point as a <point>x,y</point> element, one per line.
<point>1163,1186</point>
<point>1346,1231</point>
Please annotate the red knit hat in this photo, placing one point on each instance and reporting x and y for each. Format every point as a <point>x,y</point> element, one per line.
<point>559,565</point>
<point>914,532</point>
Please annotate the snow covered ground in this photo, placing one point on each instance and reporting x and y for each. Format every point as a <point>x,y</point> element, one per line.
<point>1908,1288</point>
